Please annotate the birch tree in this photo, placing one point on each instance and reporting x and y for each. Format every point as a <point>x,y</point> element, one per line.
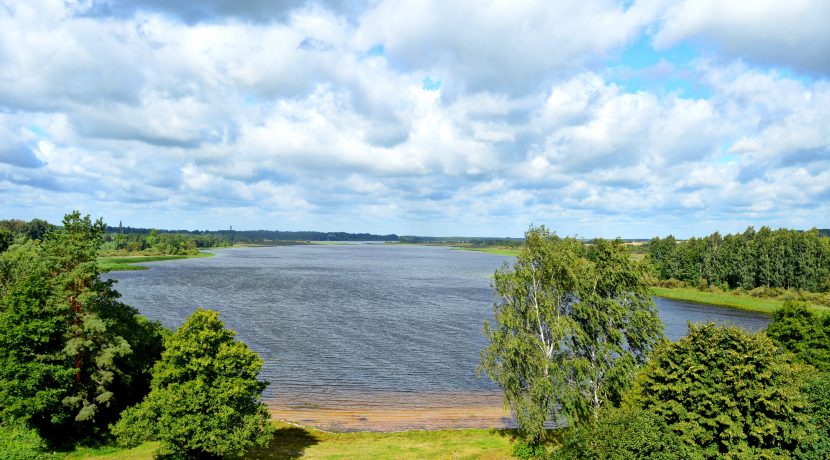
<point>571,323</point>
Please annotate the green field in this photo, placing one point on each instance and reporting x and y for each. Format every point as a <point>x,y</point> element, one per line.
<point>728,299</point>
<point>110,264</point>
<point>499,251</point>
<point>292,442</point>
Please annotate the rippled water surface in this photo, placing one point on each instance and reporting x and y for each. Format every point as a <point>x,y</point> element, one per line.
<point>345,326</point>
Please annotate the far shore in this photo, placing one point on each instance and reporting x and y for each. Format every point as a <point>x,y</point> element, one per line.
<point>729,300</point>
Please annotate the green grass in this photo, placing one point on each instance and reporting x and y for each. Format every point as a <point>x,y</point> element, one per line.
<point>109,264</point>
<point>293,442</point>
<point>142,452</point>
<point>728,299</point>
<point>499,251</point>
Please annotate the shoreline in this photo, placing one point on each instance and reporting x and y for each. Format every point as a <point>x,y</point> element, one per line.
<point>729,300</point>
<point>127,263</point>
<point>391,412</point>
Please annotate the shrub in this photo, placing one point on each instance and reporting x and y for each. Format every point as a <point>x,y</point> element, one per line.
<point>730,392</point>
<point>20,443</point>
<point>622,434</point>
<point>205,397</point>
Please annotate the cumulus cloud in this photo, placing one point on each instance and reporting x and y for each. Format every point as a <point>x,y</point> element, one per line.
<point>410,117</point>
<point>771,32</point>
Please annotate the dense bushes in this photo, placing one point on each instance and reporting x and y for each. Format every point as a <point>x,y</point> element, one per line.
<point>623,434</point>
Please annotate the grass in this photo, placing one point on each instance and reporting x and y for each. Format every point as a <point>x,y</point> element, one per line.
<point>123,263</point>
<point>293,442</point>
<point>142,452</point>
<point>728,299</point>
<point>499,251</point>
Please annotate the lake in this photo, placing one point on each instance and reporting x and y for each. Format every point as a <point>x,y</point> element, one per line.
<point>360,336</point>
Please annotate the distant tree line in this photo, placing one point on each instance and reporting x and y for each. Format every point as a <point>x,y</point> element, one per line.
<point>479,241</point>
<point>257,236</point>
<point>786,259</point>
<point>156,242</point>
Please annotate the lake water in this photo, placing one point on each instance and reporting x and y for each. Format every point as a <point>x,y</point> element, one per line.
<point>350,328</point>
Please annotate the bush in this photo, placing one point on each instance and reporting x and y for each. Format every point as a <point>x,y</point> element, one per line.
<point>205,396</point>
<point>20,443</point>
<point>671,283</point>
<point>622,434</point>
<point>527,451</point>
<point>730,392</point>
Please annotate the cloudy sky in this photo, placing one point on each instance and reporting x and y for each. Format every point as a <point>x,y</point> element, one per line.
<point>430,117</point>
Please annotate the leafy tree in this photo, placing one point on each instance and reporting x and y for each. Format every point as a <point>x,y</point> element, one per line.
<point>71,356</point>
<point>728,392</point>
<point>622,434</point>
<point>803,333</point>
<point>205,397</point>
<point>6,239</point>
<point>571,325</point>
<point>36,229</point>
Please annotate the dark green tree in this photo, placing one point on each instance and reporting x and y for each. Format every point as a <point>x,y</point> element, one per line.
<point>571,325</point>
<point>205,400</point>
<point>71,356</point>
<point>6,239</point>
<point>729,393</point>
<point>36,229</point>
<point>803,333</point>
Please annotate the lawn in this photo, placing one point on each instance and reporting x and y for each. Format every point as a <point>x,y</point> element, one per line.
<point>109,264</point>
<point>293,442</point>
<point>728,299</point>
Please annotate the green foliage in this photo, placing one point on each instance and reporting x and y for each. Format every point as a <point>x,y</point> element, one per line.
<point>803,333</point>
<point>6,239</point>
<point>728,392</point>
<point>622,434</point>
<point>787,259</point>
<point>20,443</point>
<point>817,391</point>
<point>526,451</point>
<point>205,397</point>
<point>72,355</point>
<point>798,330</point>
<point>571,325</point>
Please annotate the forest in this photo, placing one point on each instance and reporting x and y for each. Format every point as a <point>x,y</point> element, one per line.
<point>783,259</point>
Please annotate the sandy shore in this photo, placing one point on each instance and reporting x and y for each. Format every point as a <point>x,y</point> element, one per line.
<point>390,411</point>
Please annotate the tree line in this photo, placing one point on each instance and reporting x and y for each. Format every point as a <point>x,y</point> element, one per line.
<point>786,259</point>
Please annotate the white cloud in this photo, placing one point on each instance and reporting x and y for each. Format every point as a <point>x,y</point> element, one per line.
<point>772,32</point>
<point>176,118</point>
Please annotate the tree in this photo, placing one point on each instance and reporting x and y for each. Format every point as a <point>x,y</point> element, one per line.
<point>6,239</point>
<point>728,392</point>
<point>571,325</point>
<point>803,333</point>
<point>205,397</point>
<point>71,356</point>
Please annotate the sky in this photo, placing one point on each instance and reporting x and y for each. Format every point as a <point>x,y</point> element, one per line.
<point>418,117</point>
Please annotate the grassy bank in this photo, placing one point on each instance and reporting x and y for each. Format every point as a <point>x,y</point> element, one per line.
<point>728,299</point>
<point>499,251</point>
<point>109,264</point>
<point>292,442</point>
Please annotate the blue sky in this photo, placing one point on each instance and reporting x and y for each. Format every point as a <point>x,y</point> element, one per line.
<point>605,118</point>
